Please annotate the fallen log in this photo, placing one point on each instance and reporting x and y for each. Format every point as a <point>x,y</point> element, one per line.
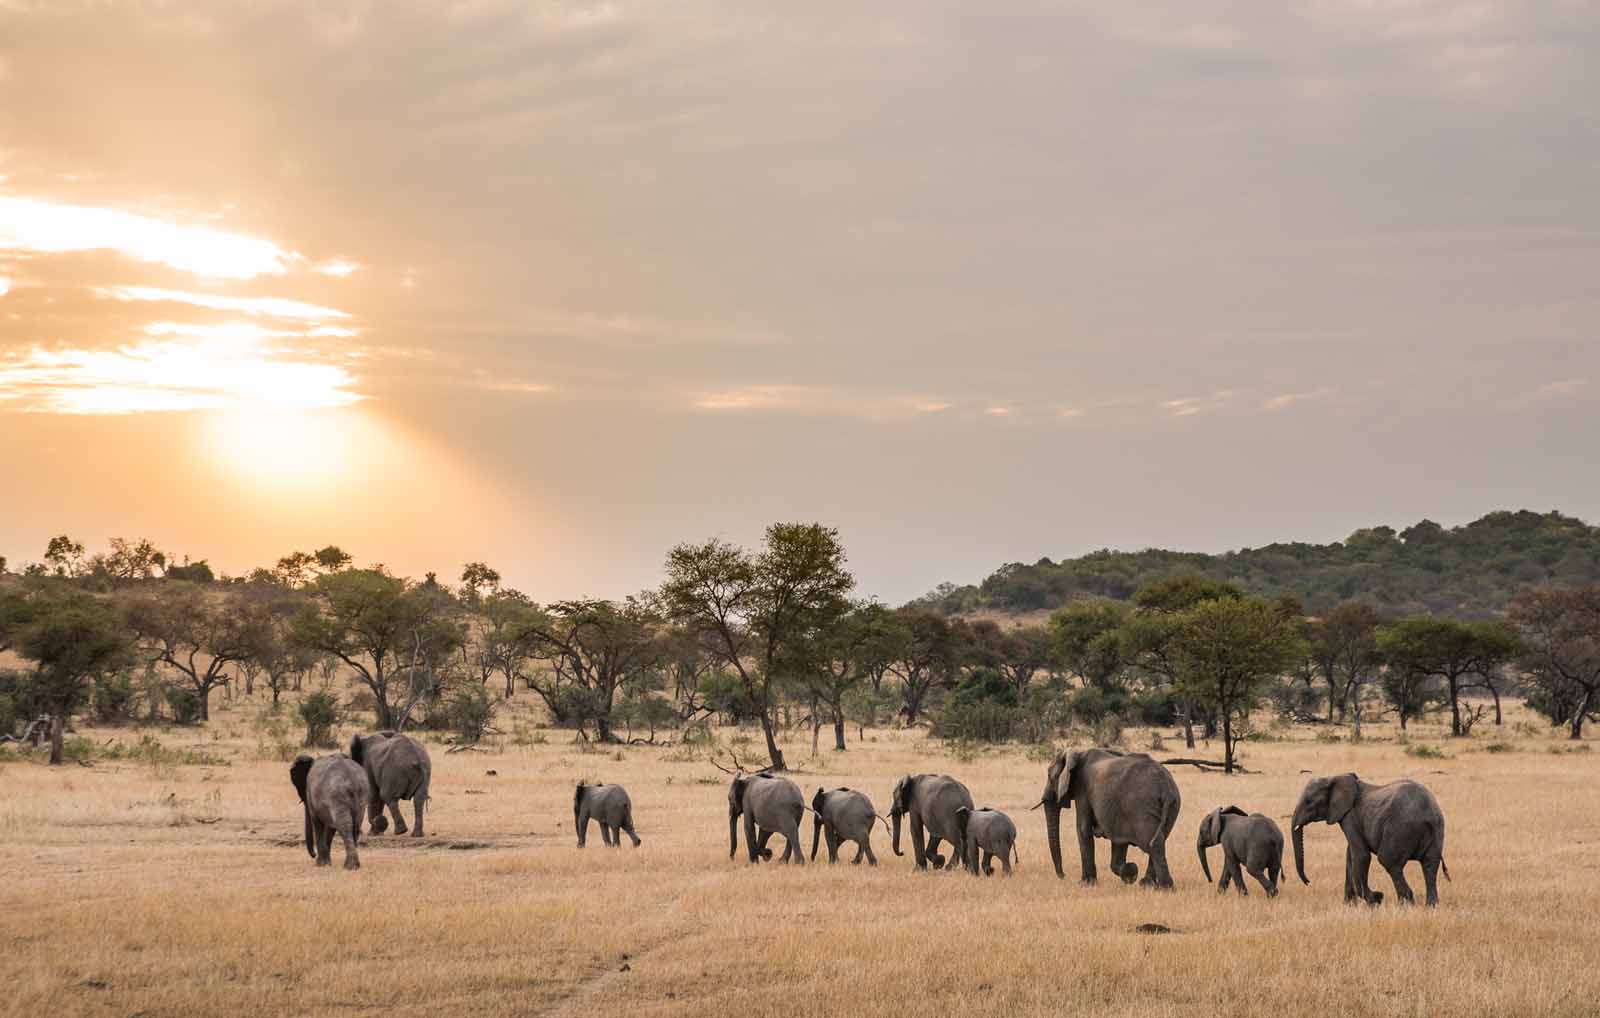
<point>1206,764</point>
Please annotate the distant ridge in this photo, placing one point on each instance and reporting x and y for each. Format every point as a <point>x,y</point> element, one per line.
<point>1469,571</point>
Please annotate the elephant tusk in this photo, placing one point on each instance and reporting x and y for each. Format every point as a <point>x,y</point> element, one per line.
<point>1035,805</point>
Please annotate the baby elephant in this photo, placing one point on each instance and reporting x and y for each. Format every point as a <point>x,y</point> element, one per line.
<point>610,805</point>
<point>988,831</point>
<point>844,815</point>
<point>333,790</point>
<point>1252,841</point>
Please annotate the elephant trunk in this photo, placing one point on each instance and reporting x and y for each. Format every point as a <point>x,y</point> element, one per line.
<point>1297,835</point>
<point>816,835</point>
<point>1200,847</point>
<point>895,843</point>
<point>733,832</point>
<point>1052,826</point>
<point>311,848</point>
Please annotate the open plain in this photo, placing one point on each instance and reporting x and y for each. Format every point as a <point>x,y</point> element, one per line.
<point>173,881</point>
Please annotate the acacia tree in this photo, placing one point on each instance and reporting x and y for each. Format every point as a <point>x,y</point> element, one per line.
<point>71,641</point>
<point>196,634</point>
<point>928,656</point>
<point>750,610</point>
<point>505,637</point>
<point>595,649</point>
<point>835,660</point>
<point>1086,640</point>
<point>393,634</point>
<point>1463,654</point>
<point>1148,635</point>
<point>1227,650</point>
<point>1561,650</point>
<point>1344,647</point>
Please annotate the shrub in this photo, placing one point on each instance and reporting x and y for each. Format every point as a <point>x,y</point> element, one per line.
<point>1499,747</point>
<point>1107,731</point>
<point>984,721</point>
<point>470,711</point>
<point>184,703</point>
<point>115,699</point>
<point>1422,751</point>
<point>1157,706</point>
<point>320,712</point>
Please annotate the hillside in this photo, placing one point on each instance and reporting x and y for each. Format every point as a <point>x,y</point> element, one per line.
<point>1468,571</point>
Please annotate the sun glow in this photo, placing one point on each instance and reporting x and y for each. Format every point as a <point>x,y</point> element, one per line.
<point>236,371</point>
<point>42,227</point>
<point>266,307</point>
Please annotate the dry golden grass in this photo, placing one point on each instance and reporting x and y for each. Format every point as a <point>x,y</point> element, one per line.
<point>118,900</point>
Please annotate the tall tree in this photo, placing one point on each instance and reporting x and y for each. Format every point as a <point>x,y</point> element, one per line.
<point>394,635</point>
<point>928,657</point>
<point>1462,654</point>
<point>595,650</point>
<point>1344,646</point>
<point>1561,650</point>
<point>196,634</point>
<point>1086,641</point>
<point>1147,636</point>
<point>834,661</point>
<point>1227,651</point>
<point>752,609</point>
<point>71,640</point>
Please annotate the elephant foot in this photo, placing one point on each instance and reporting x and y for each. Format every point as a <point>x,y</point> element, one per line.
<point>379,824</point>
<point>352,864</point>
<point>400,828</point>
<point>1130,873</point>
<point>1089,881</point>
<point>415,834</point>
<point>1272,892</point>
<point>324,862</point>
<point>1375,898</point>
<point>937,861</point>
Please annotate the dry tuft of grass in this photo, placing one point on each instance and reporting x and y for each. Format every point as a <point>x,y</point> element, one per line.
<point>171,880</point>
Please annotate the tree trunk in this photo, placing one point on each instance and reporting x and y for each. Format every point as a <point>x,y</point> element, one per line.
<point>1581,713</point>
<point>1496,694</point>
<point>838,729</point>
<point>1227,742</point>
<point>205,702</point>
<point>1188,725</point>
<point>774,754</point>
<point>58,728</point>
<point>1455,707</point>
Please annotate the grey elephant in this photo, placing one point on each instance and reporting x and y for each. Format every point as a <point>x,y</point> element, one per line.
<point>770,805</point>
<point>397,768</point>
<point>844,814</point>
<point>1397,822</point>
<point>333,791</point>
<point>931,802</point>
<point>1126,798</point>
<point>1251,843</point>
<point>607,804</point>
<point>990,833</point>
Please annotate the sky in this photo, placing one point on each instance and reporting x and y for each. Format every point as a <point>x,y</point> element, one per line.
<point>557,286</point>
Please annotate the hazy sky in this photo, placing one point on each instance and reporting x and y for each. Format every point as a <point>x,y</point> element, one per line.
<point>557,285</point>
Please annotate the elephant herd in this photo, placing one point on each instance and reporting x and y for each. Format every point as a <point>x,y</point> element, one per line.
<point>1128,799</point>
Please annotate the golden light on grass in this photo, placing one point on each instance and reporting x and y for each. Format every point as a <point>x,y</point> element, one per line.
<point>169,888</point>
<point>34,226</point>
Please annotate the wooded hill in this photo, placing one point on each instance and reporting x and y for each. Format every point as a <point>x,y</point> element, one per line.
<point>1469,571</point>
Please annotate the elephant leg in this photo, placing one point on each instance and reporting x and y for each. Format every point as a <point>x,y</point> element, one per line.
<point>399,821</point>
<point>1430,880</point>
<point>861,852</point>
<point>988,863</point>
<point>1236,871</point>
<point>1126,870</point>
<point>352,861</point>
<point>1160,872</point>
<point>919,847</point>
<point>796,847</point>
<point>417,805</point>
<point>833,846</point>
<point>866,848</point>
<point>1086,850</point>
<point>1360,864</point>
<point>324,838</point>
<point>1397,873</point>
<point>1349,873</point>
<point>627,825</point>
<point>1005,861</point>
<point>761,845</point>
<point>935,859</point>
<point>583,829</point>
<point>1266,879</point>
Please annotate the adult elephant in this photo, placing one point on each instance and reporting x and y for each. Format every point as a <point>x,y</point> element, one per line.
<point>769,805</point>
<point>1397,822</point>
<point>397,768</point>
<point>1127,798</point>
<point>844,814</point>
<point>931,801</point>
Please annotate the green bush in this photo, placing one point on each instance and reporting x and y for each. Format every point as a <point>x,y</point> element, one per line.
<point>984,721</point>
<point>115,699</point>
<point>320,712</point>
<point>1423,751</point>
<point>470,711</point>
<point>184,703</point>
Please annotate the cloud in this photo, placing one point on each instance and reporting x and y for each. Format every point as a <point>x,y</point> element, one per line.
<point>171,375</point>
<point>1288,399</point>
<point>819,401</point>
<point>38,227</point>
<point>339,268</point>
<point>1189,406</point>
<point>1565,387</point>
<point>269,307</point>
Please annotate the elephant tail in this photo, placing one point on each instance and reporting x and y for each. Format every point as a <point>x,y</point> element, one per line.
<point>1169,817</point>
<point>1446,869</point>
<point>885,820</point>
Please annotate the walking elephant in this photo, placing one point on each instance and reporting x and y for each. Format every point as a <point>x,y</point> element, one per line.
<point>1126,798</point>
<point>333,792</point>
<point>770,805</point>
<point>844,814</point>
<point>608,804</point>
<point>1250,843</point>
<point>990,833</point>
<point>1397,822</point>
<point>397,768</point>
<point>931,802</point>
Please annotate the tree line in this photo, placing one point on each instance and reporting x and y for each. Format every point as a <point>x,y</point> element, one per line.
<point>772,636</point>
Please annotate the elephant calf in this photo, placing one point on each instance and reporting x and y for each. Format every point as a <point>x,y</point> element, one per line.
<point>397,768</point>
<point>1397,822</point>
<point>844,815</point>
<point>333,791</point>
<point>770,805</point>
<point>988,831</point>
<point>608,804</point>
<point>1252,842</point>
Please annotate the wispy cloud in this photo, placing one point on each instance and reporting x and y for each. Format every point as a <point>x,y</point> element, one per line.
<point>32,226</point>
<point>270,307</point>
<point>1565,387</point>
<point>171,375</point>
<point>820,400</point>
<point>1189,406</point>
<point>337,267</point>
<point>1288,399</point>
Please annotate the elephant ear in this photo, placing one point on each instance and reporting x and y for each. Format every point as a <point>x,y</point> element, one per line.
<point>1232,811</point>
<point>1064,779</point>
<point>1343,792</point>
<point>819,799</point>
<point>902,792</point>
<point>962,816</point>
<point>736,793</point>
<point>358,749</point>
<point>298,771</point>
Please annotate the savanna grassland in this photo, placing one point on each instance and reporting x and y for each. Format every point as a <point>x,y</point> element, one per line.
<point>173,881</point>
